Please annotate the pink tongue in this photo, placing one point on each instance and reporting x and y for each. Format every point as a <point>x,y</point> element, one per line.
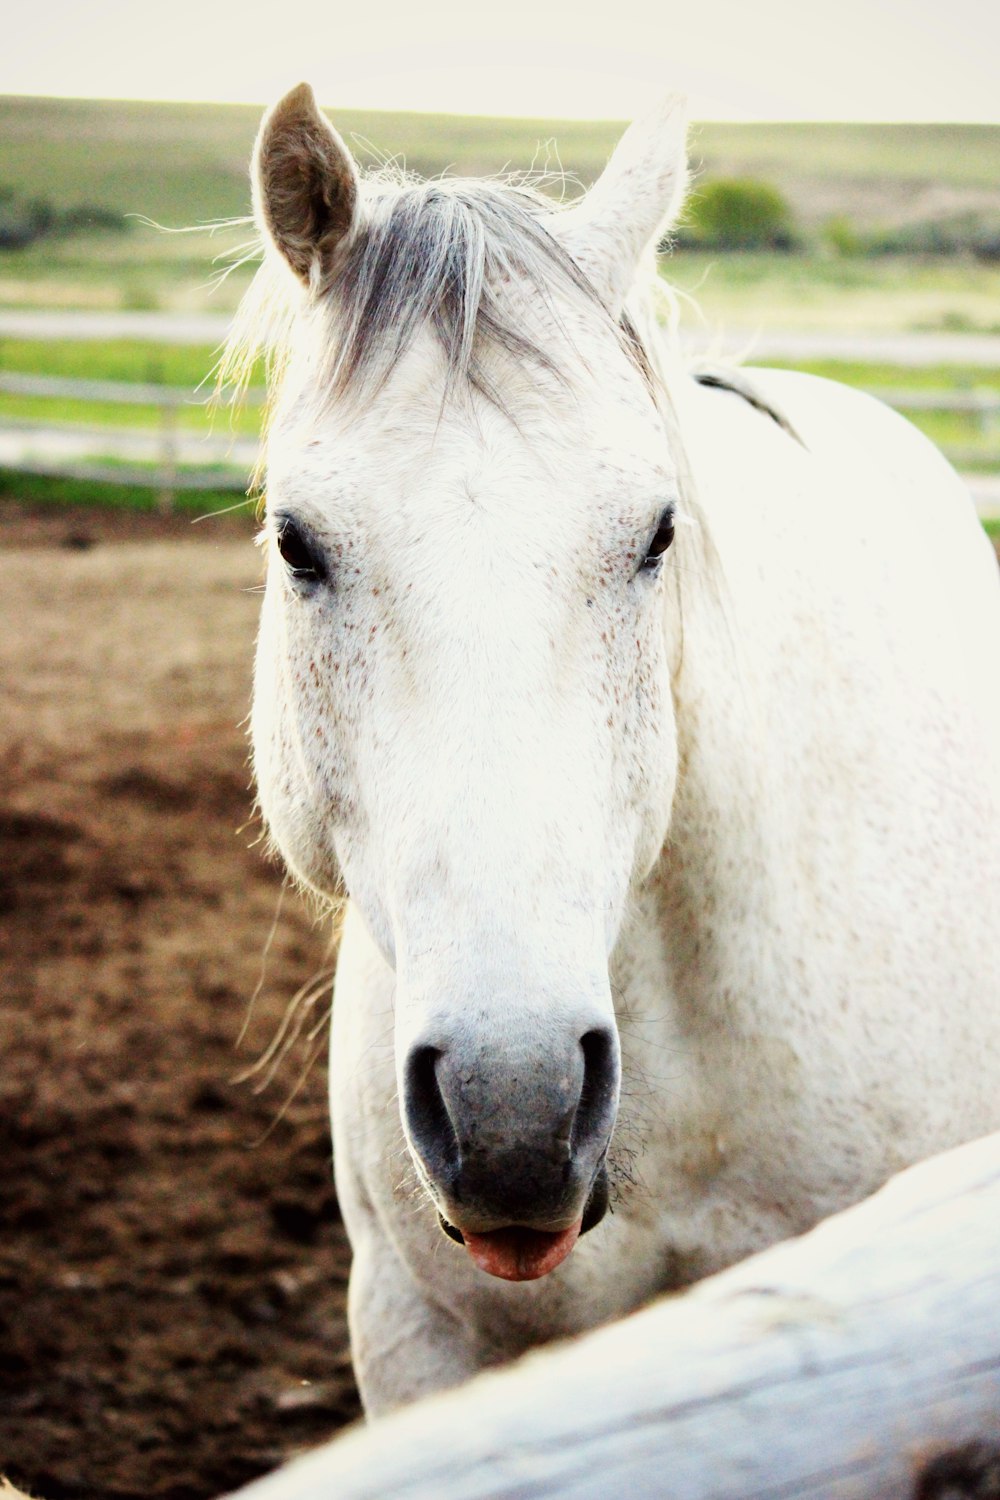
<point>521,1254</point>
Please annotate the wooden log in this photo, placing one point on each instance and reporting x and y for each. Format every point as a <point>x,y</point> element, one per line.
<point>859,1362</point>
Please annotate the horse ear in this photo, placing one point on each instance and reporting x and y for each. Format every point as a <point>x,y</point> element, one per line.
<point>633,204</point>
<point>305,186</point>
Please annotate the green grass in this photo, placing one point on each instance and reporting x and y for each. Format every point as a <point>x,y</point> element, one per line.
<point>873,376</point>
<point>812,292</point>
<point>184,365</point>
<point>244,422</point>
<point>180,366</point>
<point>35,489</point>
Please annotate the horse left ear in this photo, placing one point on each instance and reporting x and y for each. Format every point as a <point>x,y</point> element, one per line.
<point>305,185</point>
<point>632,205</point>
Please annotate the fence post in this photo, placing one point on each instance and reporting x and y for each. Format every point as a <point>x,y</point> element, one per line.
<point>989,416</point>
<point>168,470</point>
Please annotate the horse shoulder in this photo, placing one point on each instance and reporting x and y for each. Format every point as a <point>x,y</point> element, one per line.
<point>858,523</point>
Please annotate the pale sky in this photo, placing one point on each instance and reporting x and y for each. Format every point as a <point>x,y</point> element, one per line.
<point>736,59</point>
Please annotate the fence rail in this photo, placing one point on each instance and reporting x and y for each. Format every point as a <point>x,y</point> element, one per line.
<point>135,477</point>
<point>118,392</point>
<point>170,471</point>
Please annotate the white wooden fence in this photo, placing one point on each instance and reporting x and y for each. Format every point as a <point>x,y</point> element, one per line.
<point>61,449</point>
<point>173,460</point>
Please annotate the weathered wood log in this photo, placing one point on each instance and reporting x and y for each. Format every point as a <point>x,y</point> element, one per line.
<point>861,1362</point>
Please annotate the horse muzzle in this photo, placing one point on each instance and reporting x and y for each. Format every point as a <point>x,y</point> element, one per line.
<point>520,1254</point>
<point>513,1148</point>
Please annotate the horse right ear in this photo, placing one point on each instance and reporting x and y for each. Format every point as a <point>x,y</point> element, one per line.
<point>305,186</point>
<point>633,203</point>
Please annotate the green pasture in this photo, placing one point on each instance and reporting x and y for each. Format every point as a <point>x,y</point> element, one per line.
<point>199,416</point>
<point>746,291</point>
<point>757,291</point>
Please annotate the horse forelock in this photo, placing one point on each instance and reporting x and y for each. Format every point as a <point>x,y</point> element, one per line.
<point>455,257</point>
<point>461,258</point>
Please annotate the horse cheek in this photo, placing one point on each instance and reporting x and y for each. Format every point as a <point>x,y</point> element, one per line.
<point>641,720</point>
<point>297,786</point>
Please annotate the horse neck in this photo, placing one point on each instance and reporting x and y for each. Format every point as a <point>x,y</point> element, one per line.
<point>715,872</point>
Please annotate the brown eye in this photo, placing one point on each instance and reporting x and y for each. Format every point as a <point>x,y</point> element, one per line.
<point>660,541</point>
<point>300,554</point>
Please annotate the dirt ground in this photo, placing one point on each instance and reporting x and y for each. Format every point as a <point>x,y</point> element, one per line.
<point>172,1266</point>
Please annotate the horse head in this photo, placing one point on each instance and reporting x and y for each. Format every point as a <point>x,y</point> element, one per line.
<point>462,700</point>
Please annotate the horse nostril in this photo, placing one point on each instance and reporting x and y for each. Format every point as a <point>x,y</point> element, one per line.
<point>427,1114</point>
<point>451,1231</point>
<point>594,1113</point>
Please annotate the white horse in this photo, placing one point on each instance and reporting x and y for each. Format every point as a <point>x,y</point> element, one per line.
<point>653,726</point>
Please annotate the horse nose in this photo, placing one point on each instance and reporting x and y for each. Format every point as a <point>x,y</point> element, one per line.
<point>510,1139</point>
<point>595,1111</point>
<point>427,1117</point>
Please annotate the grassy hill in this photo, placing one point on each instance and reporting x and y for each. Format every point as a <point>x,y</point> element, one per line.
<point>186,164</point>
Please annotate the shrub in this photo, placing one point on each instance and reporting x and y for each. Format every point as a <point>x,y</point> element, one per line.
<point>975,234</point>
<point>739,213</point>
<point>92,216</point>
<point>25,220</point>
<point>842,237</point>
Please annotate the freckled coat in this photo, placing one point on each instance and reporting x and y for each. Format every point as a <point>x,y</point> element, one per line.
<point>738,807</point>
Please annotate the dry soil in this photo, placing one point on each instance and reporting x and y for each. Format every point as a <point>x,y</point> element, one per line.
<point>172,1266</point>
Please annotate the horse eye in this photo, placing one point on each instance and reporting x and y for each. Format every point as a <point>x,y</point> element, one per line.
<point>301,557</point>
<point>662,537</point>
